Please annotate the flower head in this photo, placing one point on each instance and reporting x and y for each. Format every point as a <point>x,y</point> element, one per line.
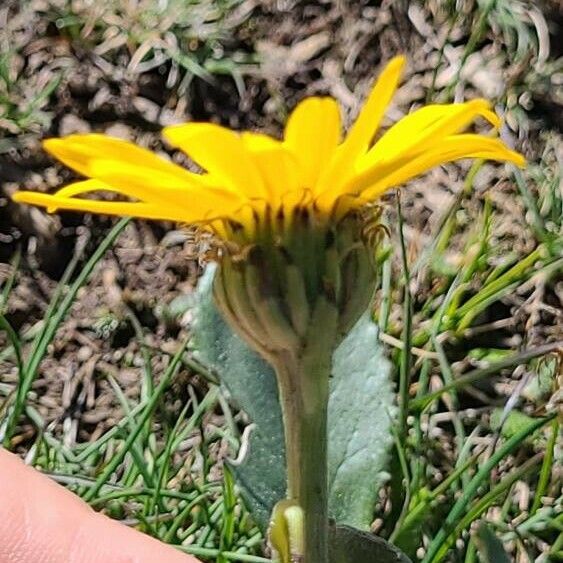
<point>294,210</point>
<point>247,173</point>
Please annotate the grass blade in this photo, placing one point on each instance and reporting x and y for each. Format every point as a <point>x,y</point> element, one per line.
<point>442,540</point>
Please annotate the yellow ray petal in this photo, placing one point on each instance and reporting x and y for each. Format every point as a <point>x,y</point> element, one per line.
<point>279,172</point>
<point>366,125</point>
<point>87,186</point>
<point>141,210</point>
<point>361,133</point>
<point>161,187</point>
<point>127,187</point>
<point>374,182</point>
<point>312,134</point>
<point>257,142</point>
<point>221,152</point>
<point>425,126</point>
<point>277,165</point>
<point>79,152</point>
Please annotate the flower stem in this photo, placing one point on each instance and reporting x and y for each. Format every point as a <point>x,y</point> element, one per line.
<point>304,398</point>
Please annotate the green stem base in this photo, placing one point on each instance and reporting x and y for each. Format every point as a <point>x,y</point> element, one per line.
<point>304,399</point>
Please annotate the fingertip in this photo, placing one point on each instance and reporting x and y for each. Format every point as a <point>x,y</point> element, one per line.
<point>41,522</point>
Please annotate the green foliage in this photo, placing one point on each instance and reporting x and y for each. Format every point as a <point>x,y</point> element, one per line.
<point>523,29</point>
<point>509,423</point>
<point>57,311</point>
<point>459,517</point>
<point>193,38</point>
<point>23,99</point>
<point>184,39</point>
<point>489,273</point>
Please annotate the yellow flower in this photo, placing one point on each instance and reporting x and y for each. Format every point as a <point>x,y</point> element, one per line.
<point>296,215</point>
<point>248,175</point>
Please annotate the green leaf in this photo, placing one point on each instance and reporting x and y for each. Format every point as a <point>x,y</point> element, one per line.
<point>360,415</point>
<point>252,384</point>
<point>348,545</point>
<point>422,508</point>
<point>509,423</point>
<point>488,354</point>
<point>540,388</point>
<point>490,548</point>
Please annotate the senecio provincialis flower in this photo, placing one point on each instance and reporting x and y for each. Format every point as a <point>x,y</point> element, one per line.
<point>297,225</point>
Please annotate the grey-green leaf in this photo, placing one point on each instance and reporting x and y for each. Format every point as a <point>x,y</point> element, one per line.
<point>251,383</point>
<point>360,415</point>
<point>348,545</point>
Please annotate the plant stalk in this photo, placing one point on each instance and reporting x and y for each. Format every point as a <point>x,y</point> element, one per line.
<point>304,388</point>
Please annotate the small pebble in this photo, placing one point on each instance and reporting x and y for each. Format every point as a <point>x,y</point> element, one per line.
<point>73,124</point>
<point>84,354</point>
